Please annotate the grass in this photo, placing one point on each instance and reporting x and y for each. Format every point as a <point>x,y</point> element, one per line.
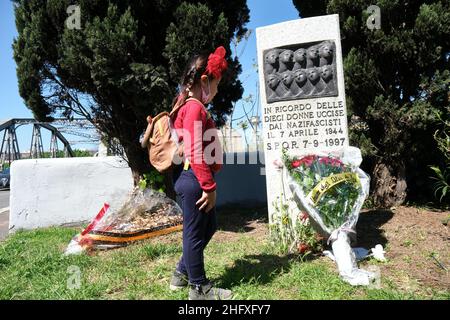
<point>32,267</point>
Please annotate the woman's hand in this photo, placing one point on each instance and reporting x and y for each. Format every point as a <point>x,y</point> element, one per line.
<point>208,200</point>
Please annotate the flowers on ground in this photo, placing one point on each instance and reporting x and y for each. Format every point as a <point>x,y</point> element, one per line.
<point>293,235</point>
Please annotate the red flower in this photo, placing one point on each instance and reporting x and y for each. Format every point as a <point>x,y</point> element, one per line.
<point>303,216</point>
<point>303,247</point>
<point>217,63</point>
<point>296,163</point>
<point>308,160</point>
<point>336,163</point>
<point>325,160</point>
<point>331,161</point>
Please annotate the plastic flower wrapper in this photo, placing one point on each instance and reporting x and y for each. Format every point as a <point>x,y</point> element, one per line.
<point>332,188</point>
<point>147,213</point>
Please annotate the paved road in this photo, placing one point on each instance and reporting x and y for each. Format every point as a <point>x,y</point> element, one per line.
<point>4,198</point>
<point>4,215</point>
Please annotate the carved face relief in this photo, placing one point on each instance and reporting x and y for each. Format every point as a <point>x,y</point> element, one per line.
<point>287,78</point>
<point>300,77</point>
<point>313,53</point>
<point>326,50</point>
<point>313,75</point>
<point>273,81</point>
<point>327,73</point>
<point>271,57</point>
<point>300,55</point>
<point>287,56</point>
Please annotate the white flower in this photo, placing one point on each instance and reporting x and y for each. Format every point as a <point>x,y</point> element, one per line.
<point>378,252</point>
<point>278,164</point>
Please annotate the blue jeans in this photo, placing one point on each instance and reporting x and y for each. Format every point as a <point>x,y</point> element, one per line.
<point>198,226</point>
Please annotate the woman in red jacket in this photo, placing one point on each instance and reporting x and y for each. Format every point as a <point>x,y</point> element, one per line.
<point>195,184</point>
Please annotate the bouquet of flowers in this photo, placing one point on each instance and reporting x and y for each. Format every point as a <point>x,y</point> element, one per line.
<point>331,189</point>
<point>146,213</point>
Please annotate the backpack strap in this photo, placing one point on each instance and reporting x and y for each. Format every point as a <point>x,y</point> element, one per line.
<point>175,110</point>
<point>188,99</point>
<point>193,99</point>
<point>208,114</point>
<point>150,127</point>
<point>151,124</point>
<point>155,120</point>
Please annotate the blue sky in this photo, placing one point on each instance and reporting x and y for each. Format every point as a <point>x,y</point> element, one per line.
<point>262,12</point>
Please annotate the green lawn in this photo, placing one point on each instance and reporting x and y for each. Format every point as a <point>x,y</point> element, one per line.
<point>32,267</point>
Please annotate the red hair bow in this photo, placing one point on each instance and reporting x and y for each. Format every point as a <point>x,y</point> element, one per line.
<point>217,63</point>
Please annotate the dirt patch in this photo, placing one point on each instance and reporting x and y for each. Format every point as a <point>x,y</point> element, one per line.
<point>257,229</point>
<point>411,237</point>
<point>234,222</point>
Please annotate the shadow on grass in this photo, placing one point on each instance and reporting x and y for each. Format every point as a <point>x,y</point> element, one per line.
<point>261,268</point>
<point>369,232</point>
<point>238,219</point>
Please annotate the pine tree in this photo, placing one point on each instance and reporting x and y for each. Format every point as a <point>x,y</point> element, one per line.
<point>397,86</point>
<point>124,61</point>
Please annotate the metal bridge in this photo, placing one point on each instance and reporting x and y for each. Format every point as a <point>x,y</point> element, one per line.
<point>9,150</point>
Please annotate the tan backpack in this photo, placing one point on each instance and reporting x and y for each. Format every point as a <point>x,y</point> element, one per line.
<point>161,140</point>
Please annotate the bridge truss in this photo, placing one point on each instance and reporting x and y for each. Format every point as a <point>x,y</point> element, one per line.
<point>9,148</point>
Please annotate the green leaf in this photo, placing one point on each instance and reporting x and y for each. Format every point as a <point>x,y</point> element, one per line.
<point>142,184</point>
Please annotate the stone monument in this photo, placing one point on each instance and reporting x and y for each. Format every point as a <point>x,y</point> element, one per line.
<point>302,93</point>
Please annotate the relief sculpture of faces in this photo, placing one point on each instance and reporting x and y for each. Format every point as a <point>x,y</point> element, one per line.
<point>326,50</point>
<point>286,60</point>
<point>287,56</point>
<point>300,71</point>
<point>300,77</point>
<point>271,57</point>
<point>327,73</point>
<point>273,80</point>
<point>287,77</point>
<point>312,55</point>
<point>313,75</point>
<point>299,59</point>
<point>271,61</point>
<point>300,55</point>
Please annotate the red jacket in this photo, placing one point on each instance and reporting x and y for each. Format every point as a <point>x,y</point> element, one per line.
<point>193,119</point>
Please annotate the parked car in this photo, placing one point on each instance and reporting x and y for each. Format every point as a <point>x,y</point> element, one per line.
<point>5,178</point>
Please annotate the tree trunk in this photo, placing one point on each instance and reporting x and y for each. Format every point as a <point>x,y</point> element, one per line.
<point>138,161</point>
<point>140,164</point>
<point>389,185</point>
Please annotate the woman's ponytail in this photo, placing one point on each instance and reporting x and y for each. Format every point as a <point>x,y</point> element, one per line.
<point>201,64</point>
